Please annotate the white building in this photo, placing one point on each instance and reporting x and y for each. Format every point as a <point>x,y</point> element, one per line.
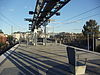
<point>21,35</point>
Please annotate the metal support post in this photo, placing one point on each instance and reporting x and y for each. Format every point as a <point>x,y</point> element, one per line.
<point>93,42</point>
<point>35,36</point>
<point>20,38</point>
<point>27,40</point>
<point>45,34</point>
<point>88,40</point>
<point>32,38</point>
<point>35,39</point>
<point>45,39</point>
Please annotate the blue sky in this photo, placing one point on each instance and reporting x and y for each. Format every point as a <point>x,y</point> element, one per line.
<point>13,12</point>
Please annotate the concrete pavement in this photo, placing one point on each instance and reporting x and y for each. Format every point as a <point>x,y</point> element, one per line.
<point>44,60</point>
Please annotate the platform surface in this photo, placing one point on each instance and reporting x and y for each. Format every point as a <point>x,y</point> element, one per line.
<point>44,60</point>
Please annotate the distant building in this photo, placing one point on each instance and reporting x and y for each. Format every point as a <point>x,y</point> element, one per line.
<point>21,35</point>
<point>16,36</point>
<point>68,37</point>
<point>43,35</point>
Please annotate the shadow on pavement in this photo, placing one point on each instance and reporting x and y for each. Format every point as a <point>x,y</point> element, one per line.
<point>30,65</point>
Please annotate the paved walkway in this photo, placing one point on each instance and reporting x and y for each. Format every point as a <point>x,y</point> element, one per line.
<point>44,60</point>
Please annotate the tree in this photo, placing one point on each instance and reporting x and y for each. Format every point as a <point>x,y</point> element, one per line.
<point>91,28</point>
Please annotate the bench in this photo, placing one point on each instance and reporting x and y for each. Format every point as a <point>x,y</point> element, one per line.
<point>77,66</point>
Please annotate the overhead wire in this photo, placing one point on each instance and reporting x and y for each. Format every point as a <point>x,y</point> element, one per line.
<point>83,18</point>
<point>76,21</point>
<point>6,23</point>
<point>84,12</point>
<point>11,23</point>
<point>78,15</point>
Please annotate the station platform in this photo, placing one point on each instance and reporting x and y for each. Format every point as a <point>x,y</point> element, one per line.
<point>44,60</point>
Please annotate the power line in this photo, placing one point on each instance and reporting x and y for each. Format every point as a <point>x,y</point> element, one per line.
<point>6,18</point>
<point>83,18</point>
<point>84,12</point>
<point>79,15</point>
<point>10,21</point>
<point>4,21</point>
<point>76,21</point>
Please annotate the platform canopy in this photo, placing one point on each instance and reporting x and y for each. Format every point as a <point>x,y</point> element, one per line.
<point>44,10</point>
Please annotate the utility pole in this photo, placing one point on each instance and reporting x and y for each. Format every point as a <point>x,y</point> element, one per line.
<point>11,30</point>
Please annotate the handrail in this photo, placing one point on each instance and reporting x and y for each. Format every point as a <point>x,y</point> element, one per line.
<point>85,50</point>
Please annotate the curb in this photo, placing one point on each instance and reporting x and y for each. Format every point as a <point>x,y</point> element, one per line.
<point>3,57</point>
